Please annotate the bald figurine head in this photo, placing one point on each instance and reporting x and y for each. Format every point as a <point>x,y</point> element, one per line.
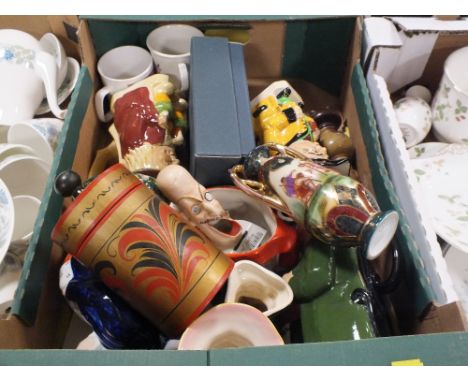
<point>199,206</point>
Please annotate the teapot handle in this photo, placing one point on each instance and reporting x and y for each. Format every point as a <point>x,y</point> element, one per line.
<point>46,69</point>
<point>257,190</point>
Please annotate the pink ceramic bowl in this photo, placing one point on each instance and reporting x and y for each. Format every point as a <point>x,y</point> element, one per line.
<point>230,325</point>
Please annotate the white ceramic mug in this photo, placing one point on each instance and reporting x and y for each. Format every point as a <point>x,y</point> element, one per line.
<point>119,68</point>
<point>39,134</point>
<point>27,71</point>
<point>170,47</point>
<point>414,117</point>
<point>25,175</point>
<point>450,104</point>
<point>419,91</point>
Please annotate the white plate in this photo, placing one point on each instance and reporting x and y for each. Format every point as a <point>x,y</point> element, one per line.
<point>441,172</point>
<point>457,264</point>
<point>7,219</point>
<point>66,88</point>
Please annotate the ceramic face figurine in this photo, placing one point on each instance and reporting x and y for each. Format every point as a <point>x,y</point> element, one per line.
<point>146,126</point>
<point>116,324</point>
<point>334,208</point>
<point>199,206</point>
<point>279,119</point>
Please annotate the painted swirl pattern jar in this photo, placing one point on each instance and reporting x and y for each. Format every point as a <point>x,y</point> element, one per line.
<point>143,250</point>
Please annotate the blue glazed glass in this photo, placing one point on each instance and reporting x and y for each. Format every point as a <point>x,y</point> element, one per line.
<point>116,324</point>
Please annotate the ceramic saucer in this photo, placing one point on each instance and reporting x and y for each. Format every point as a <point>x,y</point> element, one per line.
<point>440,172</point>
<point>65,89</point>
<point>457,264</point>
<point>7,219</point>
<point>432,149</point>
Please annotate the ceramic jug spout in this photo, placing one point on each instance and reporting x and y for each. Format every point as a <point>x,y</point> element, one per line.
<point>46,69</point>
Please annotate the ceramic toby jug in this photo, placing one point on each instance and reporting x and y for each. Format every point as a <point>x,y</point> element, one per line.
<point>336,209</point>
<point>142,249</point>
<point>26,70</point>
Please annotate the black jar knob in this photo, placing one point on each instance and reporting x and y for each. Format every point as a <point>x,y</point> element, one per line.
<point>68,183</point>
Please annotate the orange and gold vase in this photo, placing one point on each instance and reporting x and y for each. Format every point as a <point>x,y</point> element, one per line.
<point>143,249</point>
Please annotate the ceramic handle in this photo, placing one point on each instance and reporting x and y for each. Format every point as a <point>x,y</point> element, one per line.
<point>99,100</point>
<point>183,76</point>
<point>46,69</point>
<point>285,150</point>
<point>257,190</point>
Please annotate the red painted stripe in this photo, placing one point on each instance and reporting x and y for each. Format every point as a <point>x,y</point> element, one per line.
<point>85,192</point>
<point>118,201</point>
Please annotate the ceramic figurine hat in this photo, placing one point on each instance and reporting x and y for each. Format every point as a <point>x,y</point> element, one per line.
<point>116,324</point>
<point>199,206</point>
<point>334,208</point>
<point>142,249</point>
<point>144,125</point>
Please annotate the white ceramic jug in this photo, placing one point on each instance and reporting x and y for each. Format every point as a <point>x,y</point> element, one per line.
<point>26,70</point>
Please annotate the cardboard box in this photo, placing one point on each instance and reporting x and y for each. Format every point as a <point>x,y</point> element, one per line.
<point>296,49</point>
<point>401,52</point>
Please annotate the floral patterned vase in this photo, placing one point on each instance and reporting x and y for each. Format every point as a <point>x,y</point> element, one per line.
<point>336,209</point>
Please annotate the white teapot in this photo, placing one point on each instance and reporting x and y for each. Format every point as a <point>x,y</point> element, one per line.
<point>26,71</point>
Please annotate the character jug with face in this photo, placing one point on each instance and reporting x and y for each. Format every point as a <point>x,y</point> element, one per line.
<point>147,125</point>
<point>336,209</point>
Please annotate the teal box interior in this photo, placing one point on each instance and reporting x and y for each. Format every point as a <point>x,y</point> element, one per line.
<point>305,54</point>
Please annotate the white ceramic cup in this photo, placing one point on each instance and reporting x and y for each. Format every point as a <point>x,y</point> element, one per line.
<point>414,117</point>
<point>26,209</point>
<point>119,68</point>
<point>419,91</point>
<point>170,47</point>
<point>25,175</point>
<point>450,104</point>
<point>40,134</point>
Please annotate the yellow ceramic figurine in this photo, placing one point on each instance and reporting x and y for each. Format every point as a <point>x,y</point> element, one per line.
<point>280,119</point>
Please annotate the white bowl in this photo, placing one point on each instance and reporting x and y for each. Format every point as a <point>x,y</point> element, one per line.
<point>25,175</point>
<point>40,134</point>
<point>26,210</point>
<point>7,218</point>
<point>7,149</point>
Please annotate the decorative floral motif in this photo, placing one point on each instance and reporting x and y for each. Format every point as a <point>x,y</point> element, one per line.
<point>168,251</point>
<point>49,131</point>
<point>440,170</point>
<point>460,111</point>
<point>17,55</point>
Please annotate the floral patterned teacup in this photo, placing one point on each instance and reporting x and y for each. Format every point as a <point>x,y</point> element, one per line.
<point>450,104</point>
<point>39,134</point>
<point>414,117</point>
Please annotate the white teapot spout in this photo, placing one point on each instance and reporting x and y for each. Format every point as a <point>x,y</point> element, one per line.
<point>45,67</point>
